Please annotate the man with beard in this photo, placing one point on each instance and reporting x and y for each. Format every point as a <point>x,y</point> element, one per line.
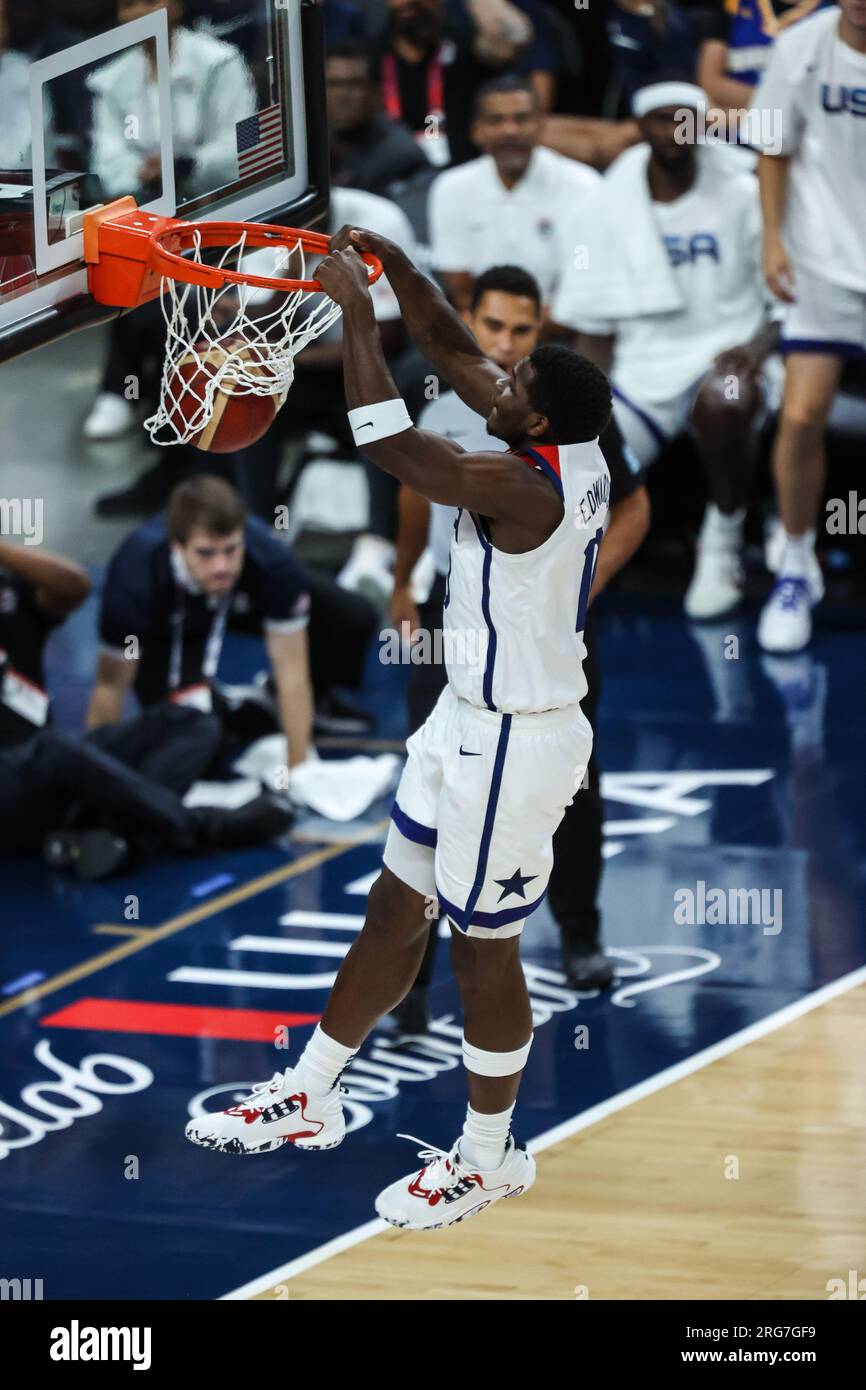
<point>368,151</point>
<point>519,204</point>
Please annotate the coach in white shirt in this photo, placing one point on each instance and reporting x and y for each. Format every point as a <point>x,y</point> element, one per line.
<point>211,91</point>
<point>519,204</point>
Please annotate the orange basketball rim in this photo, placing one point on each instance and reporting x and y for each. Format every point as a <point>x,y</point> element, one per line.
<point>229,331</point>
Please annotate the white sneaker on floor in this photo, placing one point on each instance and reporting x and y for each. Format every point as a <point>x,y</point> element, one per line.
<point>448,1190</point>
<point>110,417</point>
<point>785,624</point>
<point>368,570</point>
<point>775,542</point>
<point>717,583</point>
<point>276,1112</point>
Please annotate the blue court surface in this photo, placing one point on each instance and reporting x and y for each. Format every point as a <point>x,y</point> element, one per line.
<point>127,1005</point>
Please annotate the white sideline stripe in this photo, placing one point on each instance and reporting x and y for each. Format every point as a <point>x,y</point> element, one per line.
<point>331,921</point>
<point>771,1024</point>
<point>362,885</point>
<point>248,979</point>
<point>647,825</point>
<point>290,946</point>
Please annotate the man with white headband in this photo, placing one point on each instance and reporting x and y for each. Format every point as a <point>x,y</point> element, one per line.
<point>666,293</point>
<point>813,192</point>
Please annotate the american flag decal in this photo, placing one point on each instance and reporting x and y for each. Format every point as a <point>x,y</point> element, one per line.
<point>260,141</point>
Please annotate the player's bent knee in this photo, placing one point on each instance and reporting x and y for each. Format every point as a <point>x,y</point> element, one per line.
<point>721,405</point>
<point>394,909</point>
<point>479,965</point>
<point>804,416</point>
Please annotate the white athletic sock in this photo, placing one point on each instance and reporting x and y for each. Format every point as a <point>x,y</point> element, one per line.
<point>483,1140</point>
<point>799,551</point>
<point>322,1062</point>
<point>722,528</point>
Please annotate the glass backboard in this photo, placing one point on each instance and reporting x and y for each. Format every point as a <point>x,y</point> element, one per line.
<point>198,108</point>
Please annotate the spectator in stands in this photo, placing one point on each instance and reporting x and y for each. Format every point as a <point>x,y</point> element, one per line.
<point>813,193</point>
<point>737,47</point>
<point>506,318</point>
<point>14,100</point>
<point>247,25</point>
<point>15,130</point>
<point>648,37</point>
<point>518,203</point>
<point>432,58</point>
<point>89,803</point>
<point>538,59</point>
<point>587,121</point>
<point>178,582</point>
<point>212,90</point>
<point>670,299</point>
<point>368,151</point>
<point>344,21</point>
<point>49,29</point>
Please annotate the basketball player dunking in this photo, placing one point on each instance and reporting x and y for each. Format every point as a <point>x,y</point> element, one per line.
<point>490,773</point>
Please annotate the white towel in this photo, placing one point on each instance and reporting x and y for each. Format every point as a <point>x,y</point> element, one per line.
<point>339,789</point>
<point>627,272</point>
<point>227,795</point>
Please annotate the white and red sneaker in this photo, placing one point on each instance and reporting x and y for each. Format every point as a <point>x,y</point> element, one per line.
<point>448,1190</point>
<point>276,1112</point>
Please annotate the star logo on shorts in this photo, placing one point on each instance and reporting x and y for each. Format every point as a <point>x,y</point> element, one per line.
<point>514,884</point>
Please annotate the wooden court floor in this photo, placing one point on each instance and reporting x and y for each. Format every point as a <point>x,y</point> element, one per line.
<point>743,1180</point>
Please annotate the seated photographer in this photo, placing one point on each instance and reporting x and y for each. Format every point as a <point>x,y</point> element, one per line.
<point>93,803</point>
<point>176,584</point>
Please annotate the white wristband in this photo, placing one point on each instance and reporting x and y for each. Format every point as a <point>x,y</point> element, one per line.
<point>377,421</point>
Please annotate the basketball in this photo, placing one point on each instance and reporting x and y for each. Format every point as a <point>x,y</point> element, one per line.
<point>239,417</point>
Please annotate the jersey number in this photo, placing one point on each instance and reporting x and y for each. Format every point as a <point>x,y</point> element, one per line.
<point>590,559</point>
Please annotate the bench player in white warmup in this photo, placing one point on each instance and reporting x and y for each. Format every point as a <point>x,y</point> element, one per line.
<point>490,773</point>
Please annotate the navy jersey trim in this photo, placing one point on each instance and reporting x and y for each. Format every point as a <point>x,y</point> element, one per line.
<point>413,829</point>
<point>487,919</point>
<point>487,682</point>
<point>489,818</point>
<point>547,468</point>
<point>657,433</point>
<point>838,347</point>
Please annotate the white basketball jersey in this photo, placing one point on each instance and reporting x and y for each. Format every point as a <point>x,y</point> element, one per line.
<point>813,95</point>
<point>513,630</point>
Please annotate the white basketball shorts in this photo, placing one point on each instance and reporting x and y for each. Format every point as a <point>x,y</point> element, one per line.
<point>825,318</point>
<point>478,802</point>
<point>649,426</point>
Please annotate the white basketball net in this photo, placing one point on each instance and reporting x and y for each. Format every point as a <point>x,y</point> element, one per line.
<point>211,332</point>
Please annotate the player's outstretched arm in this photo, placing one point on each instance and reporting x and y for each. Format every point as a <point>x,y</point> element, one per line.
<point>435,328</point>
<point>436,467</point>
<point>489,484</point>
